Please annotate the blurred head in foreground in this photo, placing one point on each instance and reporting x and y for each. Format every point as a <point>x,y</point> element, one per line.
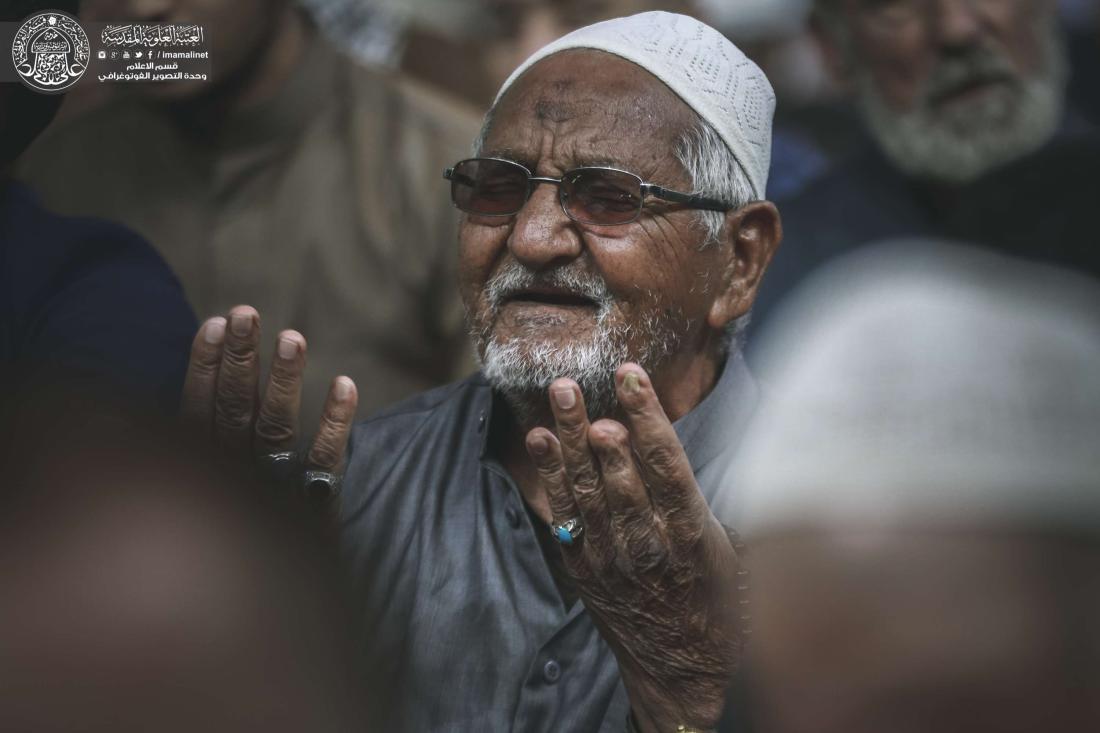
<point>143,589</point>
<point>921,496</point>
<point>949,88</point>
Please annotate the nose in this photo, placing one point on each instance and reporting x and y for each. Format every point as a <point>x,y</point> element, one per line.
<point>957,23</point>
<point>543,237</point>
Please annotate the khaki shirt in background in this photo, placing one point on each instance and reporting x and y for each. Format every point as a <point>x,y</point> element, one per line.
<point>325,208</point>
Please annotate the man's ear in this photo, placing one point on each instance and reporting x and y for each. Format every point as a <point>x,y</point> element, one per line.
<point>752,234</point>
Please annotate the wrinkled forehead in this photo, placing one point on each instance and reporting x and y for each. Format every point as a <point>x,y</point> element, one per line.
<point>588,104</point>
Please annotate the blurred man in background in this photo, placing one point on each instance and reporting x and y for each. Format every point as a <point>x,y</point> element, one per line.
<point>921,495</point>
<point>964,102</point>
<point>74,291</point>
<point>294,179</point>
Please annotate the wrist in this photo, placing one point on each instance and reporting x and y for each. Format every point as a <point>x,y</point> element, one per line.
<point>699,710</point>
<point>632,726</point>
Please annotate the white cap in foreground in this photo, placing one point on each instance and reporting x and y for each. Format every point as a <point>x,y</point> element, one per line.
<point>917,383</point>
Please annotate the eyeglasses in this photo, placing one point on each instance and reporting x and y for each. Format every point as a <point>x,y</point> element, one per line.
<point>590,195</point>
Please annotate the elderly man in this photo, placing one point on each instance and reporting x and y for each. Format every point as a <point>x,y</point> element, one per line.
<point>534,544</point>
<point>964,103</point>
<point>922,497</point>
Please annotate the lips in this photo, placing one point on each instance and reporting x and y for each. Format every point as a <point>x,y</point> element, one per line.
<point>552,297</point>
<point>967,88</point>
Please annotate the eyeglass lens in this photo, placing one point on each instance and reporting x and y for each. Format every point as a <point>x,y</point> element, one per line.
<point>588,195</point>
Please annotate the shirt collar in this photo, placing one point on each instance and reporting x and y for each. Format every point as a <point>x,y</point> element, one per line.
<point>713,427</point>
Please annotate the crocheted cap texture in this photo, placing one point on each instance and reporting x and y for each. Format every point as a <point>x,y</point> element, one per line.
<point>701,66</point>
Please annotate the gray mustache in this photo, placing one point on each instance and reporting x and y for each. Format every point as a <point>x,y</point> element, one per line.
<point>981,63</point>
<point>515,278</point>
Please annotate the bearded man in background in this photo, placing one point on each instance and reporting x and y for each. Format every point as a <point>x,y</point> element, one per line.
<point>970,137</point>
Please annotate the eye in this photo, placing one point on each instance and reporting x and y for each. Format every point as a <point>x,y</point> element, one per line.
<point>603,194</point>
<point>496,188</point>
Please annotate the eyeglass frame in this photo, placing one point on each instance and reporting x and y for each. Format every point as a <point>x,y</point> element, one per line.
<point>688,200</point>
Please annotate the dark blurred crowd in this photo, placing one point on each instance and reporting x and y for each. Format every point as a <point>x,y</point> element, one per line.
<point>958,592</point>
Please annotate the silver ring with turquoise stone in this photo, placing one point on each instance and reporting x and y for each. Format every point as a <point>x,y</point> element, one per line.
<point>567,532</point>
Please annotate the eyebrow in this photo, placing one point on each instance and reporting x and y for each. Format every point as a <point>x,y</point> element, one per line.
<point>579,162</point>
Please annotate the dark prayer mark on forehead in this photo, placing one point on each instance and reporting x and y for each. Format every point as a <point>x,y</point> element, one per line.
<point>553,107</point>
<point>554,110</point>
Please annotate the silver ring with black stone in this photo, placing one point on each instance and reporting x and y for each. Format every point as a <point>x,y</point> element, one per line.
<point>320,487</point>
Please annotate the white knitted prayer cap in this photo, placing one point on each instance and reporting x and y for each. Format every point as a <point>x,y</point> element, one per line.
<point>918,384</point>
<point>701,66</point>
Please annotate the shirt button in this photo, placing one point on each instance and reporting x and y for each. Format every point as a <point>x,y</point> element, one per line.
<point>481,422</point>
<point>513,517</point>
<point>551,671</point>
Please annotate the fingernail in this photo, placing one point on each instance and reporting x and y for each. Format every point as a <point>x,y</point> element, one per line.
<point>215,331</point>
<point>288,349</point>
<point>631,383</point>
<point>538,445</point>
<point>241,323</point>
<point>342,390</point>
<point>565,398</point>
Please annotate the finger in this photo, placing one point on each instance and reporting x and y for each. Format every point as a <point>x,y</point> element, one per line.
<point>640,541</point>
<point>661,458</point>
<point>571,420</point>
<point>624,489</point>
<point>238,379</point>
<point>200,384</point>
<point>330,445</point>
<point>277,423</point>
<point>545,452</point>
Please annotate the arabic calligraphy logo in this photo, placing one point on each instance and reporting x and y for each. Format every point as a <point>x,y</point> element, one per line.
<point>50,52</point>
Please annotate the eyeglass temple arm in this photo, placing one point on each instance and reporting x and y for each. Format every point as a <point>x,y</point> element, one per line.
<point>688,199</point>
<point>450,175</point>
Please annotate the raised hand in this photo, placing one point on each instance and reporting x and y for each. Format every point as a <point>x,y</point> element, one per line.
<point>221,397</point>
<point>652,564</point>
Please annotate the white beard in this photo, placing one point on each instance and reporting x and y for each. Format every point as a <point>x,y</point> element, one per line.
<point>961,144</point>
<point>522,368</point>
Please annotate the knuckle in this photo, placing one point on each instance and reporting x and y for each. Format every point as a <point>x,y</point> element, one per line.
<point>614,462</point>
<point>233,420</point>
<point>645,551</point>
<point>337,415</point>
<point>281,387</point>
<point>549,471</point>
<point>272,430</point>
<point>661,459</point>
<point>325,454</point>
<point>586,480</point>
<point>689,534</point>
<point>572,431</point>
<point>328,446</point>
<point>233,409</point>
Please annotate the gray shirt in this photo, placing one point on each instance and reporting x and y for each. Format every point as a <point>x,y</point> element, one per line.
<point>462,622</point>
